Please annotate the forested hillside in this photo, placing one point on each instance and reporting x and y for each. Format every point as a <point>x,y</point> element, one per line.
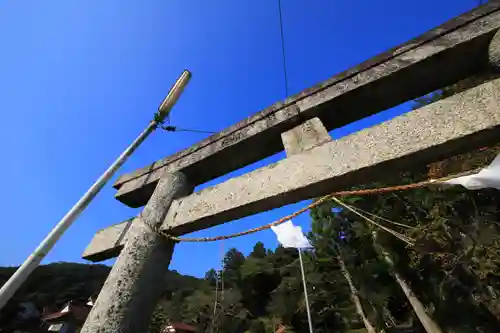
<point>55,284</point>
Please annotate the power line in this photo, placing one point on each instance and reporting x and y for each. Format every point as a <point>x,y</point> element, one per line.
<point>283,48</point>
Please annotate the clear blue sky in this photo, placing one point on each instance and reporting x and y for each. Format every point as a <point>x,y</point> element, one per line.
<point>80,79</point>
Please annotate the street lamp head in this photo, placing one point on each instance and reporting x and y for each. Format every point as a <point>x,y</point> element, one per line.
<point>173,96</point>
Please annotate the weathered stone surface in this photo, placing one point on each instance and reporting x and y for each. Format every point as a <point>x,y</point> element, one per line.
<point>131,291</point>
<point>107,243</point>
<point>407,71</point>
<point>453,125</point>
<point>494,52</point>
<point>306,136</point>
<point>201,162</point>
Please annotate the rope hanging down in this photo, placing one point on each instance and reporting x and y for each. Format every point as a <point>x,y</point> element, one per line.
<point>321,200</point>
<point>383,218</point>
<point>404,238</point>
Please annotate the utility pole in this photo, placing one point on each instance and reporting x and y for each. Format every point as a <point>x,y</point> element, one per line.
<point>23,272</point>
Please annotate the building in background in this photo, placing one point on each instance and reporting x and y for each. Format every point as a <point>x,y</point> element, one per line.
<point>70,319</point>
<point>178,328</point>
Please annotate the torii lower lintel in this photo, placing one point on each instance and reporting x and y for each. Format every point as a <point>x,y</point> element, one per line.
<point>451,126</point>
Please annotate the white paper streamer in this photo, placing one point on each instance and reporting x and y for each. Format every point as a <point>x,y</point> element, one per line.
<point>488,177</point>
<point>290,235</point>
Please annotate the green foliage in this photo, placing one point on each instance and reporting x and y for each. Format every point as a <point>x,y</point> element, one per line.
<point>259,251</point>
<point>160,318</point>
<point>211,277</point>
<point>254,266</point>
<point>233,260</point>
<point>57,283</point>
<point>453,268</point>
<point>257,326</point>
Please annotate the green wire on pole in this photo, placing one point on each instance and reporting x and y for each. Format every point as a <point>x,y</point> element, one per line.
<point>170,128</point>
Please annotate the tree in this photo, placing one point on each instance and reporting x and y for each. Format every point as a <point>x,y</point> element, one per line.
<point>257,326</point>
<point>211,276</point>
<point>233,260</point>
<point>445,224</point>
<point>160,319</point>
<point>259,251</point>
<point>258,279</point>
<point>427,322</point>
<point>332,236</point>
<point>355,298</point>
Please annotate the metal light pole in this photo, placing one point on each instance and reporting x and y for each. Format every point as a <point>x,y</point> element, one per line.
<point>23,272</point>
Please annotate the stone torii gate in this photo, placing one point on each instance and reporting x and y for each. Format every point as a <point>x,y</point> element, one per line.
<point>467,46</point>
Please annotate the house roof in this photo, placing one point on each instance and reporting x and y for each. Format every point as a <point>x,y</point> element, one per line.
<point>76,310</point>
<point>281,329</point>
<point>55,315</point>
<point>180,327</point>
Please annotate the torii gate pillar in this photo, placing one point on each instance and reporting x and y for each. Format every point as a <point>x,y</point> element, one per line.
<point>129,295</point>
